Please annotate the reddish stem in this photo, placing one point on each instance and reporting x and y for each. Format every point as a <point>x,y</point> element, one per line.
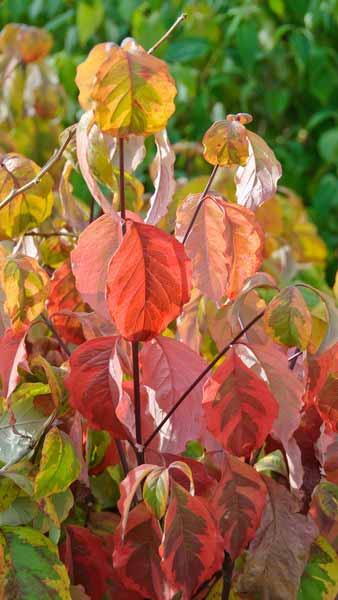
<point>201,200</point>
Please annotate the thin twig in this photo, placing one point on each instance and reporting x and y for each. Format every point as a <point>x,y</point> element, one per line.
<point>293,359</point>
<point>52,160</point>
<point>181,18</point>
<point>137,400</point>
<point>122,188</point>
<point>122,456</point>
<point>56,335</point>
<point>50,234</point>
<point>92,210</point>
<point>201,376</point>
<point>201,200</point>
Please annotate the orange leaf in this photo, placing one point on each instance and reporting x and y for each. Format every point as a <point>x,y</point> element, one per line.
<point>226,144</point>
<point>148,282</point>
<point>29,44</point>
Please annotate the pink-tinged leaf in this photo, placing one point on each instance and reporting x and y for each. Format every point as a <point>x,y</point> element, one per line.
<point>95,384</point>
<point>287,319</point>
<point>72,210</point>
<point>279,552</point>
<point>197,478</point>
<point>148,282</point>
<point>128,489</point>
<point>218,321</point>
<point>270,363</point>
<point>163,177</point>
<point>187,323</point>
<point>324,511</point>
<point>63,296</point>
<point>323,388</point>
<point>89,558</point>
<point>169,367</point>
<point>12,353</point>
<point>238,503</point>
<point>191,547</point>
<point>91,258</point>
<point>136,557</point>
<point>225,244</point>
<point>76,437</point>
<point>256,182</point>
<point>82,149</point>
<point>239,406</point>
<point>156,492</point>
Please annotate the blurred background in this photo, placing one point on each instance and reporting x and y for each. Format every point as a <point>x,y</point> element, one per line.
<point>276,59</point>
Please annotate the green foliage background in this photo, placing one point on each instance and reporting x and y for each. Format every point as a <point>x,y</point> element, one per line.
<point>277,59</point>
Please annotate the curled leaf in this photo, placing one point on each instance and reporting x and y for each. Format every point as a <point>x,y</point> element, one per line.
<point>226,144</point>
<point>163,177</point>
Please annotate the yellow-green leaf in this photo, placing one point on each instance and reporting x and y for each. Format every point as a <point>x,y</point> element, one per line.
<point>26,286</point>
<point>59,465</point>
<point>29,209</point>
<point>287,319</point>
<point>156,492</point>
<point>320,578</point>
<point>226,143</point>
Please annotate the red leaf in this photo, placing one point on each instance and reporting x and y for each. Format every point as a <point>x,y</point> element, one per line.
<point>225,244</point>
<point>136,556</point>
<point>12,352</point>
<point>64,296</point>
<point>128,489</point>
<point>95,384</point>
<point>323,389</point>
<point>238,503</point>
<point>169,367</point>
<point>92,565</point>
<point>148,282</point>
<point>90,260</point>
<point>191,548</point>
<point>238,406</point>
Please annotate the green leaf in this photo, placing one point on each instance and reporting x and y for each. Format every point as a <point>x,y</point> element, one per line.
<point>328,146</point>
<point>194,449</point>
<point>8,492</point>
<point>22,511</point>
<point>320,578</point>
<point>59,465</point>
<point>88,19</point>
<point>287,319</point>
<point>156,492</point>
<point>30,566</point>
<point>16,442</point>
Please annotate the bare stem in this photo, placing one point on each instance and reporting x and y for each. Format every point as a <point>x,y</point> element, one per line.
<point>50,234</point>
<point>92,210</point>
<point>52,160</point>
<point>122,187</point>
<point>227,570</point>
<point>201,376</point>
<point>178,21</point>
<point>122,456</point>
<point>56,335</point>
<point>201,200</point>
<point>137,401</point>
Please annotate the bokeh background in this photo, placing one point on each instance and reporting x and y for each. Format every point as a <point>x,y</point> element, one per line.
<point>276,59</point>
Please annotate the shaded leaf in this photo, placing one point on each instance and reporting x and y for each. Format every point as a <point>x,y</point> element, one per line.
<point>148,282</point>
<point>29,44</point>
<point>59,465</point>
<point>319,580</point>
<point>163,177</point>
<point>156,492</point>
<point>238,406</point>
<point>323,388</point>
<point>129,90</point>
<point>287,319</point>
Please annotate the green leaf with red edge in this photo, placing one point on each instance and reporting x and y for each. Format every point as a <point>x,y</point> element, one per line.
<point>225,244</point>
<point>26,287</point>
<point>323,388</point>
<point>89,558</point>
<point>279,552</point>
<point>90,260</point>
<point>287,319</point>
<point>128,489</point>
<point>59,465</point>
<point>136,557</point>
<point>148,282</point>
<point>130,91</point>
<point>64,296</point>
<point>192,548</point>
<point>226,143</point>
<point>30,566</point>
<point>238,503</point>
<point>95,384</point>
<point>156,492</point>
<point>239,407</point>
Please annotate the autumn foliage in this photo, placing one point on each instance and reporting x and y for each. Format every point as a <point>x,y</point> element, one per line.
<point>169,380</point>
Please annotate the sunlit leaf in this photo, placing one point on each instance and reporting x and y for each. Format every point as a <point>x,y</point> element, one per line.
<point>287,319</point>
<point>128,489</point>
<point>226,143</point>
<point>59,465</point>
<point>29,44</point>
<point>156,492</point>
<point>12,352</point>
<point>163,177</point>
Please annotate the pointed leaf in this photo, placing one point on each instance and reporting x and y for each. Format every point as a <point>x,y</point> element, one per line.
<point>90,261</point>
<point>225,244</point>
<point>238,503</point>
<point>226,144</point>
<point>94,383</point>
<point>256,182</point>
<point>169,367</point>
<point>191,549</point>
<point>148,282</point>
<point>323,385</point>
<point>128,489</point>
<point>26,286</point>
<point>163,177</point>
<point>129,90</point>
<point>287,319</point>
<point>319,580</point>
<point>156,492</point>
<point>278,554</point>
<point>30,566</point>
<point>238,406</point>
<point>63,296</point>
<point>12,353</point>
<point>59,465</point>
